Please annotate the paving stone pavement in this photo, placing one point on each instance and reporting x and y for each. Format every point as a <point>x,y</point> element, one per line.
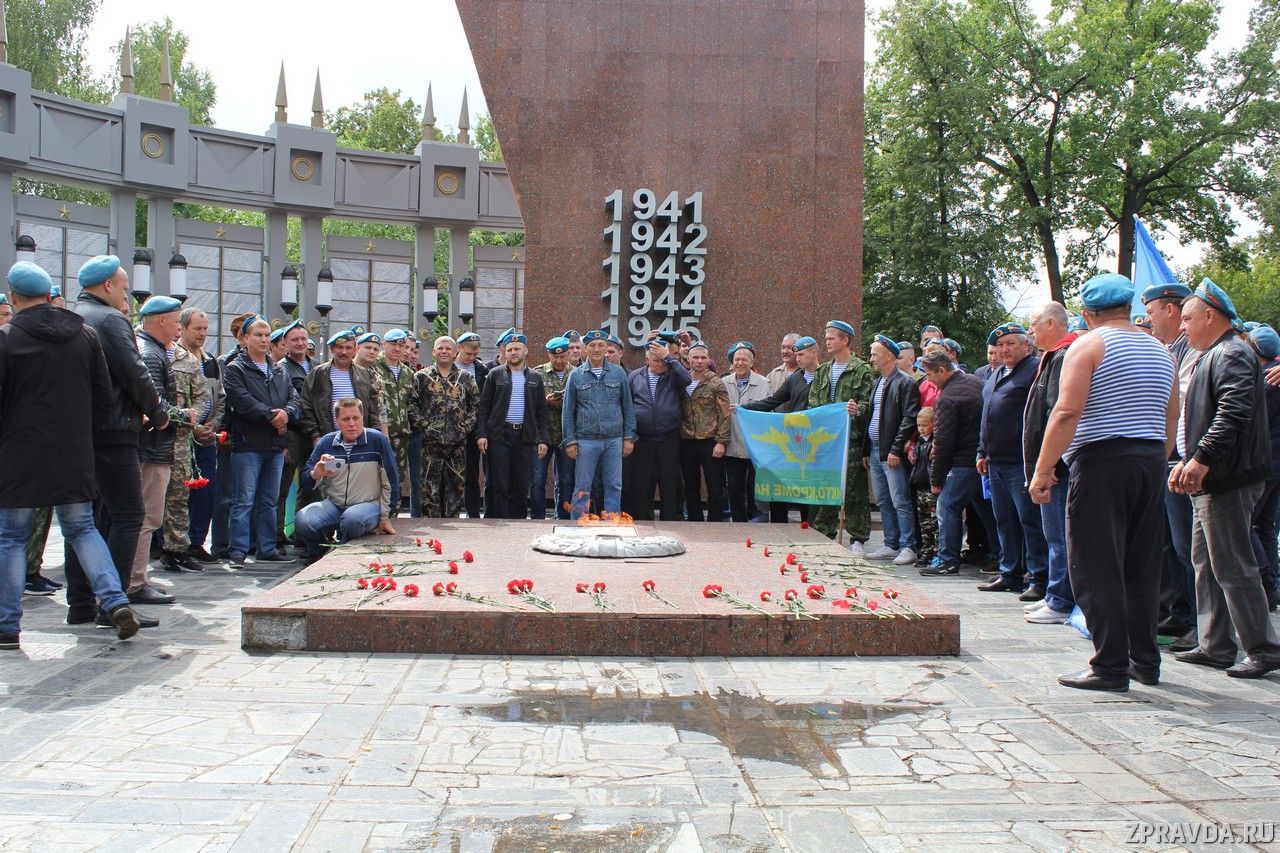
<point>179,740</point>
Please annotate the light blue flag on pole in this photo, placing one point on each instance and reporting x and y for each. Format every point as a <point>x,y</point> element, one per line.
<point>1149,266</point>
<point>800,457</point>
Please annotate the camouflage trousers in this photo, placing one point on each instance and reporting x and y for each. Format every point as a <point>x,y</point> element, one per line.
<point>400,446</point>
<point>36,542</point>
<point>927,523</point>
<point>857,503</point>
<point>177,514</point>
<point>444,472</point>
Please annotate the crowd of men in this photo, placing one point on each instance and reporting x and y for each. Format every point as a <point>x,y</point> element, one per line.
<point>1121,466</point>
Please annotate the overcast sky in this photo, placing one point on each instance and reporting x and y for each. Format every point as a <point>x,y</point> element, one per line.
<point>400,45</point>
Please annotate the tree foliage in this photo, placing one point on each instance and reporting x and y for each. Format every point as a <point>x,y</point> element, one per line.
<point>193,87</point>
<point>46,37</point>
<point>1253,283</point>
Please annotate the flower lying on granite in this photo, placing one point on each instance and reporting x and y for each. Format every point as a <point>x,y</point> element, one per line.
<point>582,587</point>
<point>362,583</point>
<point>804,577</point>
<point>851,592</point>
<point>648,586</point>
<point>712,590</point>
<point>782,570</point>
<point>438,547</point>
<point>791,559</point>
<point>652,588</point>
<point>468,557</point>
<point>804,525</point>
<point>842,603</point>
<point>748,541</point>
<point>598,586</point>
<point>873,604</point>
<point>437,589</point>
<point>453,567</point>
<point>791,595</point>
<point>816,591</point>
<point>411,590</point>
<point>451,587</point>
<point>890,593</point>
<point>417,540</point>
<point>766,596</point>
<point>766,550</point>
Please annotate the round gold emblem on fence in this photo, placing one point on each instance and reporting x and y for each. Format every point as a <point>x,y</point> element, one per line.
<point>302,168</point>
<point>153,145</point>
<point>447,183</point>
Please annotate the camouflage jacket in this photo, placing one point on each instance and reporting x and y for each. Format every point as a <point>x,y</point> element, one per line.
<point>445,406</point>
<point>397,397</point>
<point>553,384</point>
<point>705,412</point>
<point>854,384</point>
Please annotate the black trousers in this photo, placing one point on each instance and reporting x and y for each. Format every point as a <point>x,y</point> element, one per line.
<point>741,475</point>
<point>654,462</point>
<point>510,470</point>
<point>118,513</point>
<point>696,462</point>
<point>471,490</point>
<point>1115,533</point>
<point>298,448</point>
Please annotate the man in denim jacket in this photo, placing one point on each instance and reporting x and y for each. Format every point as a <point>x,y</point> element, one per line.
<point>599,423</point>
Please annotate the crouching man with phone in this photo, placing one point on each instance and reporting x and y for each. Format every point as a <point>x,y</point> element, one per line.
<point>355,470</point>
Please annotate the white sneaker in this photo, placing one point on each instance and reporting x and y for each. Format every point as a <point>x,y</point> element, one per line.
<point>906,557</point>
<point>1046,615</point>
<point>884,552</point>
<point>1033,606</point>
<point>858,550</point>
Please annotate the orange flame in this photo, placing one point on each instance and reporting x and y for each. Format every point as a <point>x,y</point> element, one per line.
<point>609,519</point>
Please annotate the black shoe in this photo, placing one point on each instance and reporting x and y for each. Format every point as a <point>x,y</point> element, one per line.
<point>1032,593</point>
<point>179,562</point>
<point>273,557</point>
<point>990,567</point>
<point>924,561</point>
<point>1185,643</point>
<point>1144,676</point>
<point>9,641</point>
<point>1273,598</point>
<point>1000,584</point>
<point>940,569</point>
<point>155,553</point>
<point>102,620</point>
<point>1200,657</point>
<point>38,584</point>
<point>220,555</point>
<point>1174,628</point>
<point>1089,680</point>
<point>81,615</point>
<point>973,557</point>
<point>51,582</point>
<point>125,621</point>
<point>150,595</point>
<point>200,555</point>
<point>1253,668</point>
<point>236,559</point>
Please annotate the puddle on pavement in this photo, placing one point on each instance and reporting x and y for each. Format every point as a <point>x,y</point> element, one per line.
<point>524,835</point>
<point>800,734</point>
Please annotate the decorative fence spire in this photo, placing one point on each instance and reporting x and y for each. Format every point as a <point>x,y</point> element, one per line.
<point>428,117</point>
<point>126,64</point>
<point>464,121</point>
<point>166,75</point>
<point>317,105</point>
<point>282,100</point>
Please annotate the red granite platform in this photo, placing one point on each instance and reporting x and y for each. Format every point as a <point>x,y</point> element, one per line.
<point>322,608</point>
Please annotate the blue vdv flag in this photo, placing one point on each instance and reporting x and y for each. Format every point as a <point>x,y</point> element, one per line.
<point>1149,266</point>
<point>800,457</point>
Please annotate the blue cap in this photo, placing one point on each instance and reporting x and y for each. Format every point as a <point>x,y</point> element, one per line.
<point>616,341</point>
<point>1249,325</point>
<point>369,338</point>
<point>840,326</point>
<point>159,305</point>
<point>1077,324</point>
<point>98,269</point>
<point>737,345</point>
<point>467,338</point>
<point>1004,329</point>
<point>593,335</point>
<point>28,279</point>
<point>340,336</point>
<point>1108,290</point>
<point>1216,298</point>
<point>1176,290</point>
<point>277,334</point>
<point>55,291</point>
<point>394,335</point>
<point>890,344</point>
<point>1265,341</point>
<point>558,346</point>
<point>953,345</point>
<point>805,342</point>
<point>505,337</point>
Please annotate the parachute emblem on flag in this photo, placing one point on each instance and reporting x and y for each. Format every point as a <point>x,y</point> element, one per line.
<point>797,440</point>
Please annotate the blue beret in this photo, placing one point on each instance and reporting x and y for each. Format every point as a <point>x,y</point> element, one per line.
<point>249,320</point>
<point>1238,326</point>
<point>1266,341</point>
<point>516,338</point>
<point>700,344</point>
<point>1077,324</point>
<point>905,345</point>
<point>1250,325</point>
<point>394,335</point>
<point>97,270</point>
<point>28,279</point>
<point>296,324</point>
<point>159,305</point>
<point>369,338</point>
<point>467,338</point>
<point>805,342</point>
<point>890,344</point>
<point>277,334</point>
<point>340,336</point>
<point>616,341</point>
<point>593,335</point>
<point>506,336</point>
<point>1166,291</point>
<point>311,345</point>
<point>558,345</point>
<point>572,336</point>
<point>840,326</point>
<point>939,341</point>
<point>1216,298</point>
<point>1108,290</point>
<point>55,291</point>
<point>737,345</point>
<point>1142,320</point>
<point>930,328</point>
<point>953,345</point>
<point>4,299</point>
<point>1004,329</point>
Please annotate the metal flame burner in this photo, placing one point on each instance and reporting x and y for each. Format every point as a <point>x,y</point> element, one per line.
<point>606,542</point>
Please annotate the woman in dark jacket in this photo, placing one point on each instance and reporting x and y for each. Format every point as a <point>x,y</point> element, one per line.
<point>263,402</point>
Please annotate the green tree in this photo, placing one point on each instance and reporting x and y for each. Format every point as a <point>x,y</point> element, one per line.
<point>381,122</point>
<point>1250,274</point>
<point>193,87</point>
<point>46,37</point>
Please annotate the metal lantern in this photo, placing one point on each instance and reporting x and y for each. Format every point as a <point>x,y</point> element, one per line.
<point>178,277</point>
<point>324,290</point>
<point>430,298</point>
<point>289,288</point>
<point>466,300</point>
<point>25,248</point>
<point>141,278</point>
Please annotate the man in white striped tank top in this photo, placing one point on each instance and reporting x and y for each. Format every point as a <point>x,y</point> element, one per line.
<point>1113,424</point>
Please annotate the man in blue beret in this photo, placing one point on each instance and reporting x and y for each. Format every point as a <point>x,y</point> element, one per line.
<point>555,376</point>
<point>339,378</point>
<point>577,349</point>
<point>1266,515</point>
<point>656,388</point>
<point>398,390</point>
<point>446,400</point>
<point>50,362</point>
<point>1225,449</point>
<point>502,341</point>
<point>846,378</point>
<point>613,350</point>
<point>599,426</point>
<point>104,305</point>
<point>512,428</point>
<point>468,361</point>
<point>895,402</point>
<point>1114,424</point>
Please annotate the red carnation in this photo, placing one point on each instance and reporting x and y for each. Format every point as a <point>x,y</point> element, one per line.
<point>417,540</point>
<point>851,592</point>
<point>782,569</point>
<point>804,577</point>
<point>873,604</point>
<point>526,585</point>
<point>389,583</point>
<point>513,587</point>
<point>468,557</point>
<point>816,591</point>
<point>804,525</point>
<point>842,603</point>
<point>411,590</point>
<point>598,587</point>
<point>438,589</point>
<point>766,596</point>
<point>451,587</point>
<point>453,567</point>
<point>766,550</point>
<point>748,541</point>
<point>374,566</point>
<point>712,590</point>
<point>582,587</point>
<point>363,583</point>
<point>648,586</point>
<point>890,593</point>
<point>438,547</point>
<point>389,569</point>
<point>222,437</point>
<point>791,595</point>
<point>791,559</point>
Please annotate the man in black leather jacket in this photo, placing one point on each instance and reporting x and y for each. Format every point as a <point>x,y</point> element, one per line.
<point>104,305</point>
<point>1226,452</point>
<point>895,402</point>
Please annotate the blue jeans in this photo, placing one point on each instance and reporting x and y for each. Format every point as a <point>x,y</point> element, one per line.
<point>1022,546</point>
<point>893,495</point>
<point>202,501</point>
<point>962,487</point>
<point>562,489</point>
<point>257,475</point>
<point>82,536</point>
<point>1053,517</point>
<point>316,521</point>
<point>415,476</point>
<point>604,454</point>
